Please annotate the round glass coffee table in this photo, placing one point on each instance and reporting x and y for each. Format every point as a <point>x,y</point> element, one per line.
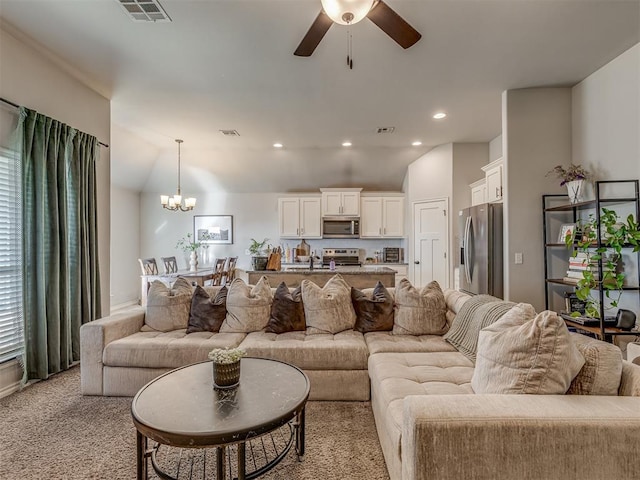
<point>198,429</point>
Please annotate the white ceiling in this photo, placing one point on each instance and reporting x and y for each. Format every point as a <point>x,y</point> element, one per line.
<point>223,64</point>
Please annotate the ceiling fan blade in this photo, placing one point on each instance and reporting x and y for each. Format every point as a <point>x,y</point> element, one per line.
<point>318,29</point>
<point>393,25</point>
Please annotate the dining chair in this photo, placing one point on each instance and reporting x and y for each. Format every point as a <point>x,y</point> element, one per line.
<point>170,265</point>
<point>148,266</point>
<point>229,271</point>
<point>217,271</point>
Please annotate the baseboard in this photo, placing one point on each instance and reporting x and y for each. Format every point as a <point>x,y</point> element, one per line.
<point>10,377</point>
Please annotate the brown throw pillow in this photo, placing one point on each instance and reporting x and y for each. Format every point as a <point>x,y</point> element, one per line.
<point>287,311</point>
<point>207,313</point>
<point>168,308</point>
<point>373,313</point>
<point>420,312</point>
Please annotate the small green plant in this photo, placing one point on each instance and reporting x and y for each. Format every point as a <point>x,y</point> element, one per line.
<point>188,244</point>
<point>257,248</point>
<point>226,355</point>
<point>614,236</point>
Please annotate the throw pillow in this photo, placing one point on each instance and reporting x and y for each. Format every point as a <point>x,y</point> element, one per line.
<point>476,313</point>
<point>374,312</point>
<point>287,311</point>
<point>420,312</point>
<point>207,313</point>
<point>328,309</point>
<point>602,370</point>
<point>168,307</point>
<point>523,353</point>
<point>248,307</point>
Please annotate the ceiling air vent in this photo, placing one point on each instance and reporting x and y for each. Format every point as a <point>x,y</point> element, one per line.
<point>386,129</point>
<point>145,10</point>
<point>230,133</point>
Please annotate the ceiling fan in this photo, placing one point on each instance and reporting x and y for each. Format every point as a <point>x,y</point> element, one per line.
<point>348,12</point>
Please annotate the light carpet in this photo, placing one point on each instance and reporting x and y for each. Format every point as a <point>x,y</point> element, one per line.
<point>50,431</point>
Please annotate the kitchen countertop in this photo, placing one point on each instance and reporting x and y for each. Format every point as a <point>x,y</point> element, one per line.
<point>369,269</point>
<point>358,277</point>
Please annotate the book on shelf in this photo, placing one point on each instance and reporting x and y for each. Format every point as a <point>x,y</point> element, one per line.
<point>571,280</point>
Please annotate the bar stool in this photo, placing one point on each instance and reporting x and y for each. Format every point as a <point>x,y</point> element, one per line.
<point>229,271</point>
<point>217,271</point>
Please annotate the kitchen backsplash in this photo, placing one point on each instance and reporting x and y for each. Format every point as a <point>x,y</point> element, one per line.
<point>368,247</point>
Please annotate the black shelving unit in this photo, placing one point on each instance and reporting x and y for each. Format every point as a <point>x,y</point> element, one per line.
<point>555,205</point>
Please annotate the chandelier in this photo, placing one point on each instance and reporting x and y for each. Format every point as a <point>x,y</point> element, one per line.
<point>174,203</point>
<point>346,12</point>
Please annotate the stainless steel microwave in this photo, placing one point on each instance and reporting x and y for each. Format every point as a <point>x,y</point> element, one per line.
<point>341,227</point>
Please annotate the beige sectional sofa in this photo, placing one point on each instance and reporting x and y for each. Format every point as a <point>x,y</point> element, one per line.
<point>430,422</point>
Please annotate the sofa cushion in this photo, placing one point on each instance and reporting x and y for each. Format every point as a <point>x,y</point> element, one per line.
<point>602,369</point>
<point>478,312</point>
<point>420,312</point>
<point>374,309</point>
<point>207,313</point>
<point>346,350</point>
<point>328,309</point>
<point>168,307</point>
<point>248,307</point>
<point>166,349</point>
<point>381,342</point>
<point>526,353</point>
<point>287,311</point>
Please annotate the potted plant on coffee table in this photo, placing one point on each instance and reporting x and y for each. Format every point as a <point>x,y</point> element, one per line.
<point>259,258</point>
<point>226,366</point>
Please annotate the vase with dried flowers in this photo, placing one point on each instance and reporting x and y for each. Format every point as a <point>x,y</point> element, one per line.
<point>226,366</point>
<point>573,177</point>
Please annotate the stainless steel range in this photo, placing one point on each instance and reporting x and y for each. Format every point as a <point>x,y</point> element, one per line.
<point>342,256</point>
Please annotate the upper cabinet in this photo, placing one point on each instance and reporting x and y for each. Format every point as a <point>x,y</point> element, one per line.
<point>340,202</point>
<point>493,178</point>
<point>382,216</point>
<point>478,192</point>
<point>300,217</point>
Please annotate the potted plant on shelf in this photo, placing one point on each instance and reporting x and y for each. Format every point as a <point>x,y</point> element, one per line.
<point>602,262</point>
<point>258,254</point>
<point>189,245</point>
<point>226,366</point>
<point>573,177</point>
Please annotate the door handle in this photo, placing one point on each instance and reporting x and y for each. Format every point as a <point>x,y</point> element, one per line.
<point>467,238</point>
<point>417,262</point>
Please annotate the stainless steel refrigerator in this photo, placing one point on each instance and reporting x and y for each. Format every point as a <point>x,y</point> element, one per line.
<point>481,263</point>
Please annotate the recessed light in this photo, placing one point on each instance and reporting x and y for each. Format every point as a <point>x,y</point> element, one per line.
<point>346,144</point>
<point>417,143</point>
<point>277,145</point>
<point>439,115</point>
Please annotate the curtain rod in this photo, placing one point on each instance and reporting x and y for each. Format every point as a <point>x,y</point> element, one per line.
<point>8,102</point>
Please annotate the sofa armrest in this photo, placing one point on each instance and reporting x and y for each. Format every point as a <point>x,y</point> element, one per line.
<point>502,437</point>
<point>96,335</point>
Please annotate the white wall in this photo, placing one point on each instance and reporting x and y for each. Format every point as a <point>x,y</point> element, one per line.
<point>125,246</point>
<point>495,148</point>
<point>30,79</point>
<point>606,129</point>
<point>536,136</point>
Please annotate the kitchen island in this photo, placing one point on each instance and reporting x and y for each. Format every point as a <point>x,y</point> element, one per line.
<point>358,277</point>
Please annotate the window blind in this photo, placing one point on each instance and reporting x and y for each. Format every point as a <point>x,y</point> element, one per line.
<point>11,326</point>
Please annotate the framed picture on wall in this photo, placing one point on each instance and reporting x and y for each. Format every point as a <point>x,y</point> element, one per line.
<point>213,229</point>
<point>567,230</point>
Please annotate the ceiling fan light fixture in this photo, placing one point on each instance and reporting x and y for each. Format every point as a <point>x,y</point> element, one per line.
<point>346,12</point>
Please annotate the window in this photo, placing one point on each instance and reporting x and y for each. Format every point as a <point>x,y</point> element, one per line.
<point>11,330</point>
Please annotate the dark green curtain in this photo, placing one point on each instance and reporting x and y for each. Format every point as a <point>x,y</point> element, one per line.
<point>62,278</point>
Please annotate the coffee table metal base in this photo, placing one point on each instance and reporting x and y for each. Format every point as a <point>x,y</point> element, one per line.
<point>257,454</point>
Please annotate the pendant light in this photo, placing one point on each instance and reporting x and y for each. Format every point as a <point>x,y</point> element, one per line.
<point>174,203</point>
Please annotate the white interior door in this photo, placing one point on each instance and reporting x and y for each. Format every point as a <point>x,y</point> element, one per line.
<point>431,243</point>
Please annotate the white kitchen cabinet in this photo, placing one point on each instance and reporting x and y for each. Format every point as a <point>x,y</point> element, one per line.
<point>300,217</point>
<point>478,192</point>
<point>338,202</point>
<point>493,178</point>
<point>382,217</point>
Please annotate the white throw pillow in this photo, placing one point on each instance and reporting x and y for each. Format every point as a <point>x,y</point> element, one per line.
<point>328,309</point>
<point>526,353</point>
<point>247,308</point>
<point>420,312</point>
